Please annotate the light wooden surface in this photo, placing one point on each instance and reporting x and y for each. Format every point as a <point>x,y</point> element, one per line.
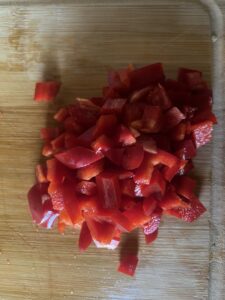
<point>77,42</point>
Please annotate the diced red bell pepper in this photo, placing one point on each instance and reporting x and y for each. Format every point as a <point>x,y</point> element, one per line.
<point>178,133</point>
<point>192,78</point>
<point>155,187</point>
<point>46,90</point>
<point>47,150</point>
<point>85,238</point>
<point>70,140</point>
<point>59,142</point>
<point>115,155</point>
<point>90,171</point>
<point>136,216</point>
<point>164,158</point>
<point>102,232</point>
<point>148,143</point>
<point>172,200</point>
<point>89,204</point>
<point>152,118</point>
<point>186,149</point>
<point>71,125</point>
<point>122,174</point>
<point>169,173</point>
<point>61,114</point>
<point>63,221</point>
<point>134,132</point>
<point>99,101</point>
<point>143,174</point>
<point>128,265</point>
<point>204,114</point>
<point>86,138</point>
<point>50,133</point>
<point>56,193</point>
<point>202,133</point>
<point>153,224</point>
<point>88,188</point>
<point>105,125</point>
<point>159,97</point>
<point>185,186</point>
<point>57,172</point>
<point>149,205</point>
<point>78,157</point>
<point>172,118</point>
<point>41,173</point>
<point>187,168</point>
<point>109,189</point>
<point>140,94</point>
<point>127,187</point>
<point>127,203</point>
<point>102,143</point>
<point>40,205</point>
<point>188,214</point>
<point>150,238</point>
<point>146,76</point>
<point>132,112</point>
<point>124,136</point>
<point>133,157</point>
<point>113,106</point>
<point>110,93</point>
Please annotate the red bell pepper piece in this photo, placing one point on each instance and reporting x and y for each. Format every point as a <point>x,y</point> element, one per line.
<point>136,216</point>
<point>105,125</point>
<point>50,133</point>
<point>146,76</point>
<point>61,114</point>
<point>70,140</point>
<point>153,224</point>
<point>128,265</point>
<point>172,200</point>
<point>122,174</point>
<point>178,133</point>
<point>47,150</point>
<point>187,168</point>
<point>90,171</point>
<point>102,232</point>
<point>127,187</point>
<point>143,174</point>
<point>150,238</point>
<point>41,173</point>
<point>127,203</point>
<point>186,149</point>
<point>89,204</point>
<point>113,106</point>
<point>164,158</point>
<point>149,205</point>
<point>159,97</point>
<point>188,214</point>
<point>56,193</point>
<point>71,125</point>
<point>46,91</point>
<point>88,188</point>
<point>57,172</point>
<point>132,112</point>
<point>85,238</point>
<point>109,189</point>
<point>78,157</point>
<point>185,186</point>
<point>191,78</point>
<point>134,132</point>
<point>172,118</point>
<point>86,138</point>
<point>152,118</point>
<point>99,101</point>
<point>102,143</point>
<point>140,94</point>
<point>133,157</point>
<point>59,142</point>
<point>40,205</point>
<point>115,155</point>
<point>202,133</point>
<point>63,221</point>
<point>169,173</point>
<point>124,136</point>
<point>148,143</point>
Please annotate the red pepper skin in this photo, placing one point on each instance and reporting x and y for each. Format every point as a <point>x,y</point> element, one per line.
<point>149,205</point>
<point>70,140</point>
<point>115,155</point>
<point>105,125</point>
<point>127,187</point>
<point>132,112</point>
<point>152,119</point>
<point>128,265</point>
<point>150,238</point>
<point>46,91</point>
<point>113,106</point>
<point>202,133</point>
<point>140,94</point>
<point>108,189</point>
<point>40,205</point>
<point>102,143</point>
<point>143,174</point>
<point>78,157</point>
<point>191,78</point>
<point>185,186</point>
<point>85,238</point>
<point>56,193</point>
<point>49,133</point>
<point>41,173</point>
<point>136,216</point>
<point>153,224</point>
<point>158,96</point>
<point>133,157</point>
<point>87,188</point>
<point>178,133</point>
<point>188,214</point>
<point>59,142</point>
<point>186,150</point>
<point>61,114</point>
<point>146,76</point>
<point>172,118</point>
<point>172,200</point>
<point>90,171</point>
<point>124,136</point>
<point>56,171</point>
<point>169,173</point>
<point>86,138</point>
<point>164,158</point>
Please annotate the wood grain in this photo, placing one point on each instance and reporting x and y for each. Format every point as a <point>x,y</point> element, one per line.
<point>78,42</point>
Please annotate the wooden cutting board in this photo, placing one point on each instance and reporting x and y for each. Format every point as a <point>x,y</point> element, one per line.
<point>77,42</point>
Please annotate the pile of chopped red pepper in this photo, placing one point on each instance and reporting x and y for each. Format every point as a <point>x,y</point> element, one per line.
<point>121,161</point>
